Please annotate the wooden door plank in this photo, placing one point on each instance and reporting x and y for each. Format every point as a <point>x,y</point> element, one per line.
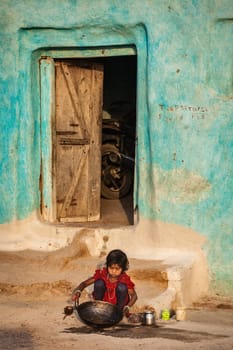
<point>74,182</point>
<point>94,187</point>
<point>75,98</point>
<point>79,92</point>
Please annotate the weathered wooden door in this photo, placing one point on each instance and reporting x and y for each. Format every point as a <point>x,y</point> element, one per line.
<point>77,140</point>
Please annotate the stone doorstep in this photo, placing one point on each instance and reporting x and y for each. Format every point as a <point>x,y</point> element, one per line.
<point>164,285</point>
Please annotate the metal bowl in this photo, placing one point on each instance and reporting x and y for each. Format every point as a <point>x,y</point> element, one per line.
<point>99,314</point>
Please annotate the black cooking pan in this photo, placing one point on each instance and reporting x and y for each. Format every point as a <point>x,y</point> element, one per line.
<point>99,314</point>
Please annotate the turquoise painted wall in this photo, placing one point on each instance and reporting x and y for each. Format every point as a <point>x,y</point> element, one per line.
<point>185,106</point>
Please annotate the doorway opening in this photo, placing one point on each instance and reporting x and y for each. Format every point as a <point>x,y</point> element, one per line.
<point>118,139</point>
<point>93,139</point>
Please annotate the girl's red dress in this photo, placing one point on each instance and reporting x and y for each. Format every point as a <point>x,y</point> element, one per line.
<point>110,292</point>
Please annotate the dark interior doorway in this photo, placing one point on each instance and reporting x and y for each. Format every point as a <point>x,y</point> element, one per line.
<point>118,139</point>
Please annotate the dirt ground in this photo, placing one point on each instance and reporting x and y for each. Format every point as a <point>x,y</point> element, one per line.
<point>35,287</point>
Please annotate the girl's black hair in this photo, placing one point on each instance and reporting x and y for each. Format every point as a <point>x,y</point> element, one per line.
<point>118,257</point>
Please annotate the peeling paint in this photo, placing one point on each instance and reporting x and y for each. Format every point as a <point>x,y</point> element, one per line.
<point>180,186</point>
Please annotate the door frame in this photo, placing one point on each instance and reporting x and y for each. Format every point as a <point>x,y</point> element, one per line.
<point>47,112</point>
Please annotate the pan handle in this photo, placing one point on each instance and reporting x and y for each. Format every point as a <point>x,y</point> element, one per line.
<point>76,303</point>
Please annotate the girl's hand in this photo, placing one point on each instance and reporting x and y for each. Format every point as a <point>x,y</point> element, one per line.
<point>75,297</point>
<point>126,311</point>
<point>76,294</point>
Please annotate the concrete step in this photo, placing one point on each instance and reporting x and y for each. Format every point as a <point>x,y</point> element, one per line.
<point>165,283</point>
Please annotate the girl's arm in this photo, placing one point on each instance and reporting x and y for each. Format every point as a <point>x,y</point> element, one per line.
<point>132,300</point>
<point>133,297</point>
<point>78,290</point>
